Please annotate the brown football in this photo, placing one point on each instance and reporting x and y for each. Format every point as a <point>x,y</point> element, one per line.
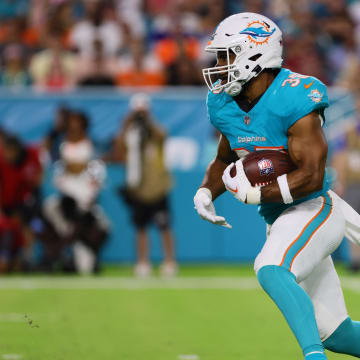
<point>263,167</point>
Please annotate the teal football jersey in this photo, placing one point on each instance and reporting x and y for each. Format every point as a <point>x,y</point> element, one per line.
<point>290,97</point>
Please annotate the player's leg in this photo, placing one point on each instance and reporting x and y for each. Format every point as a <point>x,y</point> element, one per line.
<point>345,339</point>
<point>337,331</point>
<point>352,220</point>
<point>295,305</point>
<point>300,239</point>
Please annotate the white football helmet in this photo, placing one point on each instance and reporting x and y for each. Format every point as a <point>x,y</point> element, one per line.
<point>257,43</point>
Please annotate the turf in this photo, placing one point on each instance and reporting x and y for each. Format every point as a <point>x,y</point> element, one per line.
<point>151,324</point>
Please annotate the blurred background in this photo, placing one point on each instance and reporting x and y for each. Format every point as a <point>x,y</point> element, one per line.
<point>104,134</point>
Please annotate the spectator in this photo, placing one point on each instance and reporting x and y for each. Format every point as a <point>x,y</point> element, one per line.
<point>56,136</point>
<point>2,139</point>
<point>140,147</point>
<point>139,68</point>
<point>346,161</point>
<point>184,72</point>
<point>12,33</point>
<point>210,14</point>
<point>303,56</point>
<point>14,73</point>
<point>73,218</point>
<point>21,175</point>
<point>347,75</point>
<point>53,68</point>
<point>178,50</point>
<point>99,23</point>
<point>60,20</point>
<point>95,69</point>
<point>130,13</point>
<point>172,32</point>
<point>176,44</point>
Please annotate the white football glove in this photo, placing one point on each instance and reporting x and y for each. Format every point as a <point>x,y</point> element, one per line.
<point>206,209</point>
<point>240,186</point>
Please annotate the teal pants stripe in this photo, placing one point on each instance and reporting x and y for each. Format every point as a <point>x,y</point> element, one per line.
<point>309,230</point>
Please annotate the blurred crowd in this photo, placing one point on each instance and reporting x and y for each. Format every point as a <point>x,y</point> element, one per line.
<point>69,226</point>
<point>62,44</point>
<point>66,228</point>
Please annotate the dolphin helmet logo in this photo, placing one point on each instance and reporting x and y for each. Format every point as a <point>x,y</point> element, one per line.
<point>212,36</point>
<point>258,34</point>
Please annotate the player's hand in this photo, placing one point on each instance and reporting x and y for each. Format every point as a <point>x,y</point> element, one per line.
<point>239,185</point>
<point>206,209</point>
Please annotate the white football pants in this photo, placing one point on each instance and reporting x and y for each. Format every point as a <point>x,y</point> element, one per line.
<point>302,240</point>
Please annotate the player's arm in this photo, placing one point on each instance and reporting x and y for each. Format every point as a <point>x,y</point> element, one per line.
<point>212,179</point>
<point>308,150</point>
<point>212,185</point>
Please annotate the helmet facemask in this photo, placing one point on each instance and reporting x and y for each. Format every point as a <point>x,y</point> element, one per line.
<point>238,72</point>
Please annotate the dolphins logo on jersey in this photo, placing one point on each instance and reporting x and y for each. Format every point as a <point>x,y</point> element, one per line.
<point>315,96</point>
<point>258,35</point>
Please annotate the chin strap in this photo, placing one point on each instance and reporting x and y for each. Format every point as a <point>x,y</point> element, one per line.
<point>234,88</point>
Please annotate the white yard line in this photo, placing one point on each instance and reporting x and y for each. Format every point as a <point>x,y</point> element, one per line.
<point>188,357</point>
<point>131,283</point>
<point>350,283</point>
<point>127,283</point>
<point>11,356</point>
<point>12,317</point>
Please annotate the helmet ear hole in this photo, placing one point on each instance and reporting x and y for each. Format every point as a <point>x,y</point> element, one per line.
<point>237,49</point>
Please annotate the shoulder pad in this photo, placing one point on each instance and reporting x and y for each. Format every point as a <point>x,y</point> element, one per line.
<point>300,95</point>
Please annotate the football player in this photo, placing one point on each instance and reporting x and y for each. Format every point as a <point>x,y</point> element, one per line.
<point>256,104</point>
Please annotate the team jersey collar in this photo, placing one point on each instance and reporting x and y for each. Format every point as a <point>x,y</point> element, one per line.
<point>264,96</point>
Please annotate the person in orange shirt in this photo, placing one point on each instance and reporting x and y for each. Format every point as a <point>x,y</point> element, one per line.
<point>139,68</point>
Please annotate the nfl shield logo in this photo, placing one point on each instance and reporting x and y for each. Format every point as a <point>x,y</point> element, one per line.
<point>265,167</point>
<point>247,120</point>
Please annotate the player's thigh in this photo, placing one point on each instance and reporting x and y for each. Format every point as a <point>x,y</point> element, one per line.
<point>303,236</point>
<point>323,287</point>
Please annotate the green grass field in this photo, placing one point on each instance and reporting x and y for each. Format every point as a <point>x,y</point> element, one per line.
<point>208,313</point>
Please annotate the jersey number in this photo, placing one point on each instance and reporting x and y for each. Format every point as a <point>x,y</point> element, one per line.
<point>294,79</point>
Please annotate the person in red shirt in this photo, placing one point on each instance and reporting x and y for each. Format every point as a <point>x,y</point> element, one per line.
<point>20,178</point>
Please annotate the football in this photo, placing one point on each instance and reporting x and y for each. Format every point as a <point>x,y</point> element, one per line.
<point>263,167</point>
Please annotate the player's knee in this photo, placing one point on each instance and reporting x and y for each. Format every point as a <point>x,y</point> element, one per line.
<point>269,276</point>
<point>262,260</point>
<point>265,275</point>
